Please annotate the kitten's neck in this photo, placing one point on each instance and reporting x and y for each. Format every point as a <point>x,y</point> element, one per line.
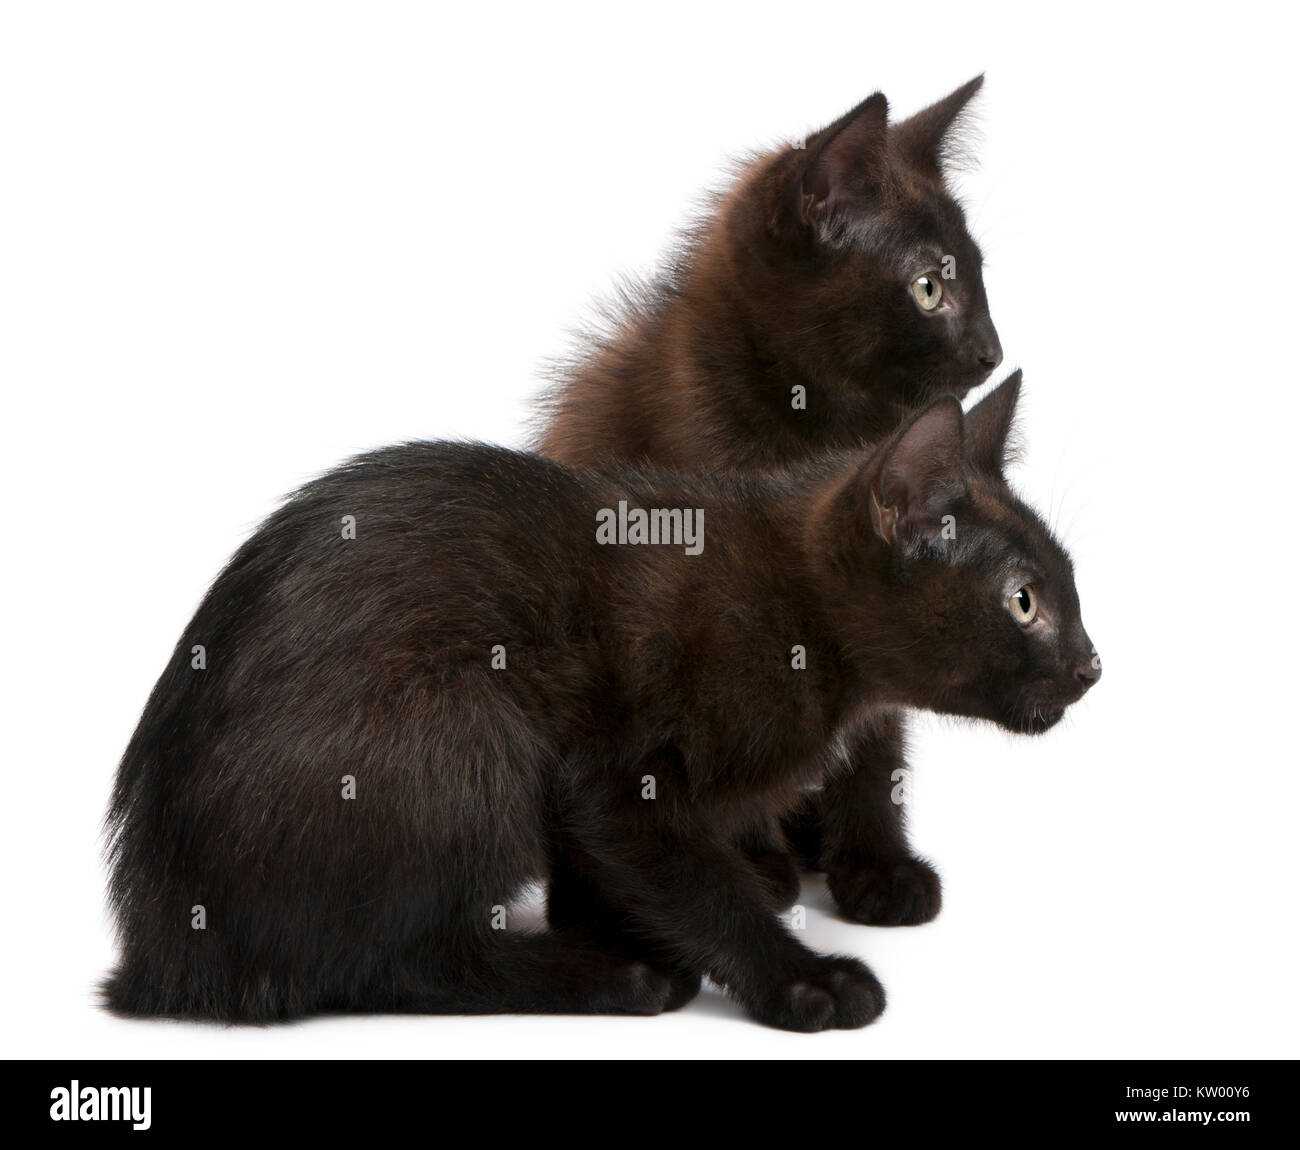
<point>815,512</point>
<point>697,379</point>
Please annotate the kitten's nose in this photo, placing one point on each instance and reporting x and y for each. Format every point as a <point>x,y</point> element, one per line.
<point>988,348</point>
<point>1089,671</point>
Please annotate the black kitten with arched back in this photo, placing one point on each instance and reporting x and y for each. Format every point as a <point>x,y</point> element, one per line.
<point>834,287</point>
<point>478,681</point>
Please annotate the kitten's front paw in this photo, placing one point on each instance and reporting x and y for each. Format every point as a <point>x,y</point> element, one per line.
<point>647,984</point>
<point>836,993</point>
<point>903,893</point>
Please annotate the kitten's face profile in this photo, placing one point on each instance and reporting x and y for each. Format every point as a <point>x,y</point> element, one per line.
<point>975,574</point>
<point>931,333</point>
<point>877,283</point>
<point>1025,657</point>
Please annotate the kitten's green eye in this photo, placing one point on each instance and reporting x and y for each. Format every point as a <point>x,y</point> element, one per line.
<point>1024,605</point>
<point>928,292</point>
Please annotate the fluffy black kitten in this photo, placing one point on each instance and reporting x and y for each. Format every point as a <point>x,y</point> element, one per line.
<point>833,288</point>
<point>437,669</point>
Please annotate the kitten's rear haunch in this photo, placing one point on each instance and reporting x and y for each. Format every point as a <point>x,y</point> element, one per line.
<point>395,728</point>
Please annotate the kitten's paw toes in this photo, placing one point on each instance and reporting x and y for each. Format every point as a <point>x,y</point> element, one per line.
<point>780,879</point>
<point>839,993</point>
<point>801,1006</point>
<point>639,972</point>
<point>644,990</point>
<point>904,893</point>
<point>859,997</point>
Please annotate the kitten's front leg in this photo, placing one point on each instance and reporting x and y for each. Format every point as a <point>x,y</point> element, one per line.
<point>861,838</point>
<point>769,854</point>
<point>578,907</point>
<point>701,901</point>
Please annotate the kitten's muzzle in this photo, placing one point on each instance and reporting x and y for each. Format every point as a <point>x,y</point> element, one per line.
<point>1087,669</point>
<point>987,346</point>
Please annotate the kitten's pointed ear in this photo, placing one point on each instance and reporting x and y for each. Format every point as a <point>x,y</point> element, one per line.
<point>845,161</point>
<point>988,426</point>
<point>922,474</point>
<point>928,140</point>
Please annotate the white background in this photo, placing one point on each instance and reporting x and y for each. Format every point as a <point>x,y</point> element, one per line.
<point>239,242</point>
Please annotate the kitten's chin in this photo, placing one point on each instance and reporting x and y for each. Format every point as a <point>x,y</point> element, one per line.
<point>1035,722</point>
<point>960,386</point>
<point>936,388</point>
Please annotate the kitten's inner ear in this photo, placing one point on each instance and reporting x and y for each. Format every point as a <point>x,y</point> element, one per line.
<point>988,427</point>
<point>846,161</point>
<point>923,474</point>
<point>927,139</point>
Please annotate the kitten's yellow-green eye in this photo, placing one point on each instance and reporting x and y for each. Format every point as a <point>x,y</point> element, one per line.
<point>1023,605</point>
<point>928,292</point>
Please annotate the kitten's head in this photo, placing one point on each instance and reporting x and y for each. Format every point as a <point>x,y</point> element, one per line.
<point>964,601</point>
<point>861,266</point>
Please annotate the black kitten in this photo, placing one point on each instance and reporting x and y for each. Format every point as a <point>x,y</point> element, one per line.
<point>441,667</point>
<point>834,288</point>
